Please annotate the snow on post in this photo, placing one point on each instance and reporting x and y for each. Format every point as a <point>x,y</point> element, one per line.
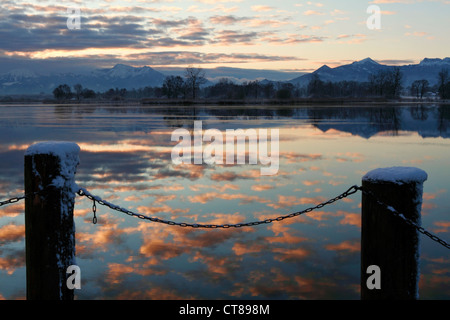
<point>387,241</point>
<point>50,169</point>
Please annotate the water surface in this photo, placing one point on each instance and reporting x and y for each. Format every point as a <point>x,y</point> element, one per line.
<point>126,159</point>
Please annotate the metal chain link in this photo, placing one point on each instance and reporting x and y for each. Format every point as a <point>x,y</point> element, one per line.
<point>17,199</point>
<point>94,210</point>
<point>407,221</point>
<point>85,193</point>
<point>12,200</point>
<point>350,191</point>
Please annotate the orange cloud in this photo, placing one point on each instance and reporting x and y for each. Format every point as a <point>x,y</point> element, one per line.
<point>11,263</point>
<point>209,196</point>
<point>240,248</point>
<point>155,293</point>
<point>311,183</point>
<point>444,226</point>
<point>108,234</point>
<point>116,271</point>
<point>350,218</point>
<point>345,246</point>
<point>290,201</point>
<point>262,187</point>
<point>12,233</point>
<point>12,210</point>
<point>286,254</point>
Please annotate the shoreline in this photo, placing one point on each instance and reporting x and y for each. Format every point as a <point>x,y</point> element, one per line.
<point>226,102</point>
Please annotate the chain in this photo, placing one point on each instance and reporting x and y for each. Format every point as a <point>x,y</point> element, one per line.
<point>85,193</point>
<point>12,200</point>
<point>407,221</point>
<point>349,192</point>
<point>94,210</point>
<point>17,199</point>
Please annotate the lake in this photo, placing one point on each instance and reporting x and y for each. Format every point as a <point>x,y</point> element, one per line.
<point>126,159</point>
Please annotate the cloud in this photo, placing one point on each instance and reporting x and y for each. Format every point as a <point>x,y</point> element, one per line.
<point>262,187</point>
<point>395,1</point>
<point>12,262</point>
<point>290,254</point>
<point>12,233</point>
<point>210,196</point>
<point>293,157</point>
<point>313,13</point>
<point>397,62</point>
<point>349,218</point>
<point>88,62</point>
<point>39,31</point>
<point>353,38</point>
<point>350,246</point>
<point>290,201</point>
<point>229,37</point>
<point>216,1</point>
<point>262,8</point>
<point>311,183</point>
<point>106,237</point>
<point>417,34</point>
<point>13,210</point>
<point>227,20</point>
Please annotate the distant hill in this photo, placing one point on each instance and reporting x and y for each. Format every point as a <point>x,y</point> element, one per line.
<point>361,70</point>
<point>23,81</point>
<point>239,75</point>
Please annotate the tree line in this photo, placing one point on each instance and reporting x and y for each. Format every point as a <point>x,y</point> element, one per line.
<point>385,84</point>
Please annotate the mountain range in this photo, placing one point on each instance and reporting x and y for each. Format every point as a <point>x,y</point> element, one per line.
<point>25,81</point>
<point>360,71</point>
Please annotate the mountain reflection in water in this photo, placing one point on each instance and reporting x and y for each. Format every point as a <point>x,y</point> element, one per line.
<point>126,159</point>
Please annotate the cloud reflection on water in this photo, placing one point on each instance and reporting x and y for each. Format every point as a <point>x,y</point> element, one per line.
<point>313,256</point>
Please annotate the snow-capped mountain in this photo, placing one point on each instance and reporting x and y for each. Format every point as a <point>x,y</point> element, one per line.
<point>24,81</point>
<point>361,70</point>
<point>427,69</point>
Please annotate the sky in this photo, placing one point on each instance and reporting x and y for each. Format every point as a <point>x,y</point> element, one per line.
<point>290,35</point>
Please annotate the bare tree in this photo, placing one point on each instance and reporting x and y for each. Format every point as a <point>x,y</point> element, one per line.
<point>444,84</point>
<point>173,86</point>
<point>386,83</point>
<point>396,80</point>
<point>78,91</point>
<point>194,78</point>
<point>62,92</point>
<point>419,88</point>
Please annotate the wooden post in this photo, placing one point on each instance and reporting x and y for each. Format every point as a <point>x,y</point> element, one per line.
<point>387,241</point>
<point>49,226</point>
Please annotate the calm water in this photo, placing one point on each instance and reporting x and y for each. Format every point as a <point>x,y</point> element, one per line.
<point>125,159</point>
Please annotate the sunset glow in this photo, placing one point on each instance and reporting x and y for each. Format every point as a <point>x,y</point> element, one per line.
<point>287,35</point>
